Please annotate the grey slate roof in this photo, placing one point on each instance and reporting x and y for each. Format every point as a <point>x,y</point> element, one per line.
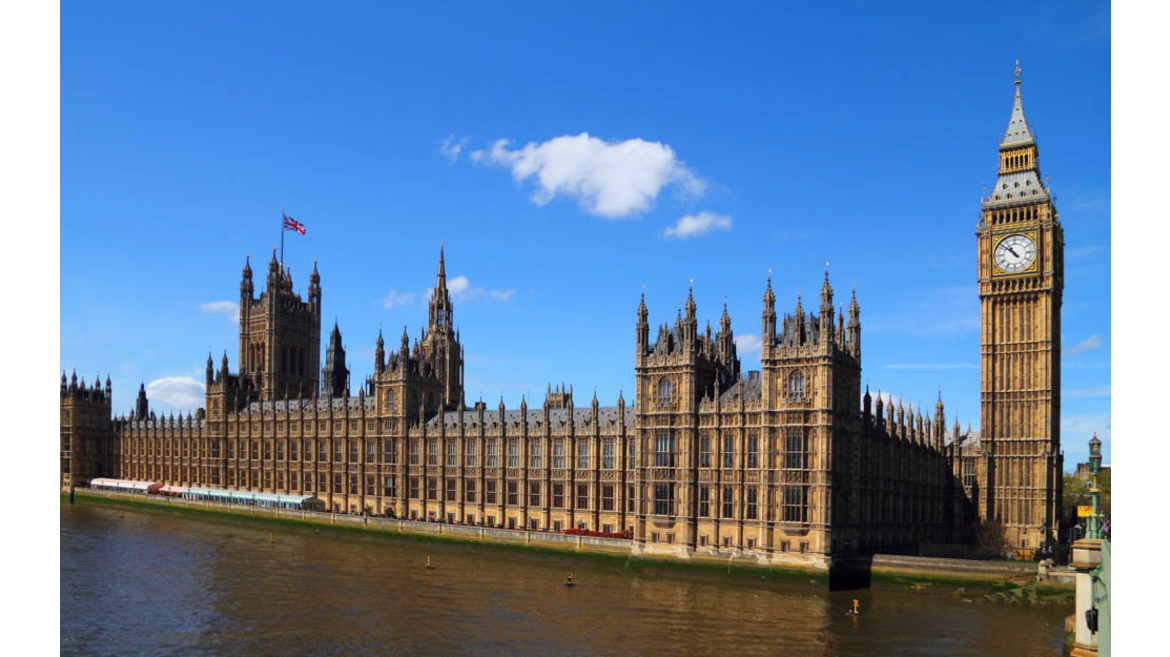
<point>1018,132</point>
<point>968,439</point>
<point>1016,187</point>
<point>750,389</point>
<point>338,404</point>
<point>557,417</point>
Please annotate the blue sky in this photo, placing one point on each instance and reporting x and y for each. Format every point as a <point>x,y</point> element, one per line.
<point>646,145</point>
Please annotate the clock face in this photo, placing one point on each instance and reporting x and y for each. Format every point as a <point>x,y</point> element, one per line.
<point>1014,253</point>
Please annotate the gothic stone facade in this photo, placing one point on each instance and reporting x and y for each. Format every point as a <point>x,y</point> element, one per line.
<point>783,463</point>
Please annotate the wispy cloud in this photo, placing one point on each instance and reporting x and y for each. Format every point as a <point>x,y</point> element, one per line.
<point>1087,393</point>
<point>176,391</point>
<point>1083,252</point>
<point>229,309</point>
<point>1089,343</point>
<point>462,290</point>
<point>607,179</point>
<point>396,298</point>
<point>932,366</point>
<point>945,311</point>
<point>694,225</point>
<point>748,345</point>
<point>451,148</point>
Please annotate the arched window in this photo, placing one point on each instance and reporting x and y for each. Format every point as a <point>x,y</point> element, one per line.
<point>664,391</point>
<point>796,384</point>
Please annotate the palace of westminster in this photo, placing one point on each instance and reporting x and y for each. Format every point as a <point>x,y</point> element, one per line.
<point>794,463</point>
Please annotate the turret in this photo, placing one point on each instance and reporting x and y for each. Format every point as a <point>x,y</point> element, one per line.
<point>141,406</point>
<point>379,353</point>
<point>643,326</point>
<point>246,281</point>
<point>691,324</point>
<point>315,290</point>
<point>854,327</point>
<point>826,317</point>
<point>940,422</point>
<point>335,375</point>
<point>210,371</point>
<point>725,340</point>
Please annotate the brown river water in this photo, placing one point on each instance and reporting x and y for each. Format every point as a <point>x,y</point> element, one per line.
<point>161,583</point>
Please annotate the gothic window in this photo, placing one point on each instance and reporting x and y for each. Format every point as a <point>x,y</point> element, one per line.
<point>582,496</point>
<point>607,454</point>
<point>471,455</point>
<point>583,455</point>
<point>663,449</point>
<point>490,492</point>
<point>414,455</point>
<point>432,489</point>
<point>633,456</point>
<point>705,451</point>
<point>705,501</point>
<point>728,502</point>
<point>470,490</point>
<point>492,459</point>
<point>794,449</point>
<point>794,504</point>
<point>753,450</point>
<point>533,494</point>
<point>752,502</point>
<point>664,499</point>
<point>607,497</point>
<point>665,391</point>
<point>513,455</point>
<point>559,454</point>
<point>433,453</point>
<point>389,487</point>
<point>414,488</point>
<point>534,460</point>
<point>631,499</point>
<point>796,384</point>
<point>513,493</point>
<point>390,399</point>
<point>728,450</point>
<point>558,495</point>
<point>452,454</point>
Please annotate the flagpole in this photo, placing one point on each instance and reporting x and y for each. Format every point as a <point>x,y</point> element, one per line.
<point>282,239</point>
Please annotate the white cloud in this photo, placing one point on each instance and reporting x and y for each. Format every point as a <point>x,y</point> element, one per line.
<point>176,391</point>
<point>1087,393</point>
<point>747,345</point>
<point>694,225</point>
<point>451,149</point>
<point>396,298</point>
<point>1091,342</point>
<point>229,309</point>
<point>608,179</point>
<point>462,290</point>
<point>932,366</point>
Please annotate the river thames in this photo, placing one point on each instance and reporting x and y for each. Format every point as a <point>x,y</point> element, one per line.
<point>158,583</point>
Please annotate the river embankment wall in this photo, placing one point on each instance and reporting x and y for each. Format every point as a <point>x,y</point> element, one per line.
<point>895,565</point>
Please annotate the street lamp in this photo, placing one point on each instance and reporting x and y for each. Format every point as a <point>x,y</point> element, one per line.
<point>1094,493</point>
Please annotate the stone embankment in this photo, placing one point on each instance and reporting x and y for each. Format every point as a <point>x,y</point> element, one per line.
<point>915,567</point>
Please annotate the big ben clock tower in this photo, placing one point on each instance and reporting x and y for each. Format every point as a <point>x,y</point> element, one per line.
<point>1021,281</point>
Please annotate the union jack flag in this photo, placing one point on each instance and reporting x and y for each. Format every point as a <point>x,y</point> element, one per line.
<point>293,224</point>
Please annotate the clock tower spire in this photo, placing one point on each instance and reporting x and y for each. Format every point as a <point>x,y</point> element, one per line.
<point>1021,283</point>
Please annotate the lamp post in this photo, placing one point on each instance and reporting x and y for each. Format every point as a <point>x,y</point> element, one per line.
<point>1094,493</point>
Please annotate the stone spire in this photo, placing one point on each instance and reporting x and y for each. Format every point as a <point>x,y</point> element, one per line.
<point>1018,132</point>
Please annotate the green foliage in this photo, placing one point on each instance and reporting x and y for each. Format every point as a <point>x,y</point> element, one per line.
<point>1076,492</point>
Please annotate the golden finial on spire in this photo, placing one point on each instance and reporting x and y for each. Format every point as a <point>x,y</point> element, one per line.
<point>1018,71</point>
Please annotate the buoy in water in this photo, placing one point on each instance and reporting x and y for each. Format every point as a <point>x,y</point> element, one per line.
<point>854,611</point>
<point>569,580</point>
<point>429,566</point>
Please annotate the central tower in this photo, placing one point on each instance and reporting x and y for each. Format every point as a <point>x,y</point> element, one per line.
<point>440,344</point>
<point>1021,281</point>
